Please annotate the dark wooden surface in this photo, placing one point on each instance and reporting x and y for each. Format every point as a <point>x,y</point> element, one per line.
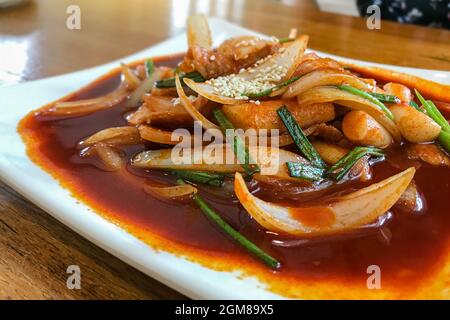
<point>34,43</point>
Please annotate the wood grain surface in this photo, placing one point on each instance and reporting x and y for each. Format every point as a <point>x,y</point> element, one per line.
<point>35,43</point>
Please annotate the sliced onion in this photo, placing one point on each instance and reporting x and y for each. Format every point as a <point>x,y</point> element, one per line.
<point>140,116</point>
<point>358,232</point>
<point>411,200</point>
<point>82,107</point>
<point>344,213</point>
<point>114,136</point>
<point>208,91</point>
<point>323,78</point>
<point>156,135</point>
<point>332,94</point>
<point>291,58</point>
<point>292,33</point>
<point>131,79</point>
<point>187,104</point>
<point>312,62</point>
<point>430,89</point>
<point>110,158</point>
<point>247,49</point>
<point>330,153</point>
<point>171,118</point>
<point>171,192</point>
<point>264,156</point>
<point>144,87</point>
<point>430,153</point>
<point>198,32</point>
<point>162,110</point>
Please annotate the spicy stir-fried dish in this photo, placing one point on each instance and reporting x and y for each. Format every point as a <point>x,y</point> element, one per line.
<point>257,156</point>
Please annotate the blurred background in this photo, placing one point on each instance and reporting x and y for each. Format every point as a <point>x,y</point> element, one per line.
<point>432,13</point>
<point>35,42</point>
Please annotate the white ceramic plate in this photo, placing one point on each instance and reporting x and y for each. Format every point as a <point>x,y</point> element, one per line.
<point>17,170</point>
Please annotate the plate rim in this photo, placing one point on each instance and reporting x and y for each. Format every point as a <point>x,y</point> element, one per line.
<point>198,287</point>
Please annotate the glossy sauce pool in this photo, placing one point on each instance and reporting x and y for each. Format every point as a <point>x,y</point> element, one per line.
<point>413,263</point>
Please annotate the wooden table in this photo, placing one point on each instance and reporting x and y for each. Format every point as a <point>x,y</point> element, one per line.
<point>35,43</point>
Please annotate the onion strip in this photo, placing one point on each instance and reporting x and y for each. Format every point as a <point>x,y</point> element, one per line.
<point>114,136</point>
<point>343,213</point>
<point>144,87</point>
<point>206,124</point>
<point>110,158</point>
<point>171,192</point>
<point>333,94</point>
<point>130,78</point>
<point>156,135</point>
<point>270,160</point>
<point>198,32</point>
<point>82,107</point>
<point>322,78</point>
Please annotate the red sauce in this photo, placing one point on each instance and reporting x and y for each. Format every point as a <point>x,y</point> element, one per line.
<point>412,263</point>
<point>314,217</point>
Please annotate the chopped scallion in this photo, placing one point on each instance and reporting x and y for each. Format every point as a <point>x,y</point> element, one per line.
<point>343,166</point>
<point>170,82</point>
<point>305,171</point>
<point>238,237</point>
<point>284,40</point>
<point>367,96</point>
<point>212,179</point>
<point>145,86</point>
<point>434,113</point>
<point>414,105</point>
<point>299,138</point>
<point>239,147</point>
<point>444,140</point>
<point>387,98</point>
<point>149,67</point>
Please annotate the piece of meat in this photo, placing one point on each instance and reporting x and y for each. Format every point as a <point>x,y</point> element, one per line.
<point>312,62</point>
<point>110,158</point>
<point>361,170</point>
<point>163,111</point>
<point>429,153</point>
<point>411,200</point>
<point>264,116</point>
<point>327,132</point>
<point>230,57</point>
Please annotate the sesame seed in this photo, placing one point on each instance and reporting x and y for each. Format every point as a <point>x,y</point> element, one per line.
<point>176,101</point>
<point>234,86</point>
